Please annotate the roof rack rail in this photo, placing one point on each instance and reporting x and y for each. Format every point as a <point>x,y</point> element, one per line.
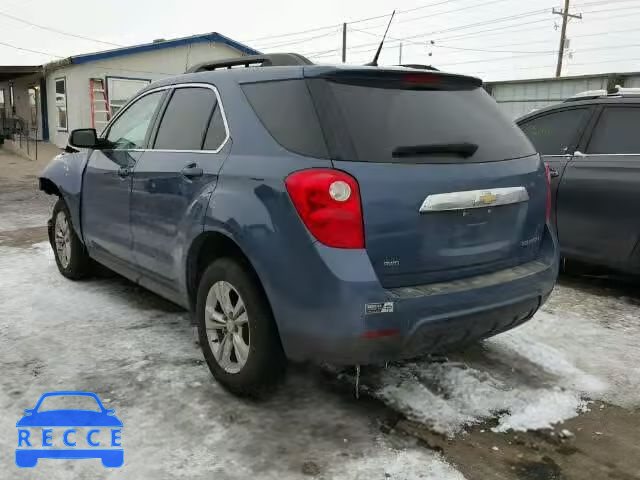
<point>266,60</point>
<point>616,91</point>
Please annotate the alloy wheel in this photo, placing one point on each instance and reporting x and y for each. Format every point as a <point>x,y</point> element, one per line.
<point>62,239</point>
<point>227,326</point>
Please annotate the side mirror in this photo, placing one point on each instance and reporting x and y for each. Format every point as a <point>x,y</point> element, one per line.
<point>28,411</point>
<point>84,138</point>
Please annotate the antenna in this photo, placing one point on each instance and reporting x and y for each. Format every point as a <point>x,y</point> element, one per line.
<point>374,62</point>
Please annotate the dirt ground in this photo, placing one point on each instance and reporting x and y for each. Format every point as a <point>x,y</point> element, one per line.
<point>183,424</point>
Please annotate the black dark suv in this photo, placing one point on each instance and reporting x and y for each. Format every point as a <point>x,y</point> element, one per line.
<point>591,143</point>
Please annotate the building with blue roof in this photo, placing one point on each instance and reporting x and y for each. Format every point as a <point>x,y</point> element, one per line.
<point>48,101</point>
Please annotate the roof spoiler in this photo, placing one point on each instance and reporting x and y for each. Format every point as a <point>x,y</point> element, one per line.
<point>266,60</point>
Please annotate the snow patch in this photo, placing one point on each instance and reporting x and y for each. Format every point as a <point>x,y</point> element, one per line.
<point>579,347</point>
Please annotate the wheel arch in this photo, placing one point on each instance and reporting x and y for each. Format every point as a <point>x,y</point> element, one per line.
<point>208,247</point>
<point>63,178</point>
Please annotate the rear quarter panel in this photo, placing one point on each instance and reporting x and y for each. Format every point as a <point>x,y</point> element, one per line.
<point>251,206</point>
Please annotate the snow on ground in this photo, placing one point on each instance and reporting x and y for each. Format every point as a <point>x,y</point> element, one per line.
<point>581,346</point>
<point>22,209</point>
<point>136,352</point>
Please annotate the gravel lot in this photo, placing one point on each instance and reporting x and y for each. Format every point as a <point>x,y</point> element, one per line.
<point>555,399</point>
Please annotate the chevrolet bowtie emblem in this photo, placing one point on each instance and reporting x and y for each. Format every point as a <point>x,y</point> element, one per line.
<point>487,198</point>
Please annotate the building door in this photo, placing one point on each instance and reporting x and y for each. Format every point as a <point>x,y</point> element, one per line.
<point>34,127</point>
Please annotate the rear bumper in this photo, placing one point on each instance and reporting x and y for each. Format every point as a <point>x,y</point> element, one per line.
<point>358,322</point>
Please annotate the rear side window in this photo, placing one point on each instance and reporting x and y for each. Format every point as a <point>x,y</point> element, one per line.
<point>287,112</point>
<point>186,119</point>
<point>617,131</point>
<point>555,133</point>
<point>216,133</point>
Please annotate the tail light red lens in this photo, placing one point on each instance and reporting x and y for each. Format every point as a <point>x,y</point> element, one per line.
<point>328,202</point>
<point>547,176</point>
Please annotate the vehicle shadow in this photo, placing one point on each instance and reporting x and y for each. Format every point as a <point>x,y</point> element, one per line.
<point>604,284</point>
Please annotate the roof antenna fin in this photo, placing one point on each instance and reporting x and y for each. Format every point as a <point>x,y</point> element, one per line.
<point>374,62</point>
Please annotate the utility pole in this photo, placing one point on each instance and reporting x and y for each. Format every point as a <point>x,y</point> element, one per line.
<point>563,32</point>
<point>344,42</point>
<point>400,55</point>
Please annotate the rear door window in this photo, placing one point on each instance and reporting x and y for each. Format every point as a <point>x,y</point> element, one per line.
<point>556,133</point>
<point>185,120</point>
<point>617,131</point>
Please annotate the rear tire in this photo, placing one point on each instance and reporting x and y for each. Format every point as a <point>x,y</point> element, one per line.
<point>239,338</point>
<point>70,254</point>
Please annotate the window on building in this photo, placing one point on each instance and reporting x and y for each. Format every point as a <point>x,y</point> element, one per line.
<point>120,90</point>
<point>216,133</point>
<point>186,119</point>
<point>2,105</point>
<point>61,103</point>
<point>555,133</point>
<point>130,129</point>
<point>616,131</point>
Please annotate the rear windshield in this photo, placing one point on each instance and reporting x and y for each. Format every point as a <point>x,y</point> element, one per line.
<point>370,124</point>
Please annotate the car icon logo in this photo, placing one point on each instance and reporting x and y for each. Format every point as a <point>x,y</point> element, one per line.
<point>62,425</point>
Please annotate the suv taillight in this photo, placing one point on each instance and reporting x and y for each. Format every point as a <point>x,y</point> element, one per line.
<point>547,176</point>
<point>328,202</point>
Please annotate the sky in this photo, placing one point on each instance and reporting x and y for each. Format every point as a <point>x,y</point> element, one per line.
<point>492,39</point>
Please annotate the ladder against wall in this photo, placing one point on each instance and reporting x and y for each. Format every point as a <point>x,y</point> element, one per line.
<point>100,113</point>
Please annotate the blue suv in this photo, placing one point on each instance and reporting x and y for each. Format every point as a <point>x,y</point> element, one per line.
<point>345,214</point>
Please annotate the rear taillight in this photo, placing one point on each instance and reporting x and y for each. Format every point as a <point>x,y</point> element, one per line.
<point>328,202</point>
<point>547,176</point>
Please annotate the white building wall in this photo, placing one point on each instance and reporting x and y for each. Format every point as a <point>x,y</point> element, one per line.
<point>151,65</point>
<point>632,81</point>
<point>519,98</point>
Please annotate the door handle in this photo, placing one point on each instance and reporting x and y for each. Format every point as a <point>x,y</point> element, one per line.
<point>192,171</point>
<point>124,172</point>
<point>553,173</point>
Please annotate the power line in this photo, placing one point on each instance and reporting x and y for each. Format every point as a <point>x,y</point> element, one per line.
<point>476,34</point>
<point>501,30</point>
<point>30,50</point>
<point>50,29</point>
<point>461,27</point>
<point>595,34</point>
<point>537,54</point>
<point>492,51</point>
<point>531,67</point>
<point>401,12</point>
<point>359,20</point>
<point>295,42</point>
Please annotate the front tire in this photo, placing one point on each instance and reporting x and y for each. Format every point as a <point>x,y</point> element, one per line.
<point>236,329</point>
<point>70,254</point>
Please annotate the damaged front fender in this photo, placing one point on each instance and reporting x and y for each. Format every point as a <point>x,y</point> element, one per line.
<point>63,177</point>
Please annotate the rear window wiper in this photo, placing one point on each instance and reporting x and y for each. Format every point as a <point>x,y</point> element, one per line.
<point>463,149</point>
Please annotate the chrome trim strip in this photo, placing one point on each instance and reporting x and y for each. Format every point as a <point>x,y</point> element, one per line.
<point>170,87</point>
<point>583,155</point>
<point>441,202</point>
<point>579,154</point>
